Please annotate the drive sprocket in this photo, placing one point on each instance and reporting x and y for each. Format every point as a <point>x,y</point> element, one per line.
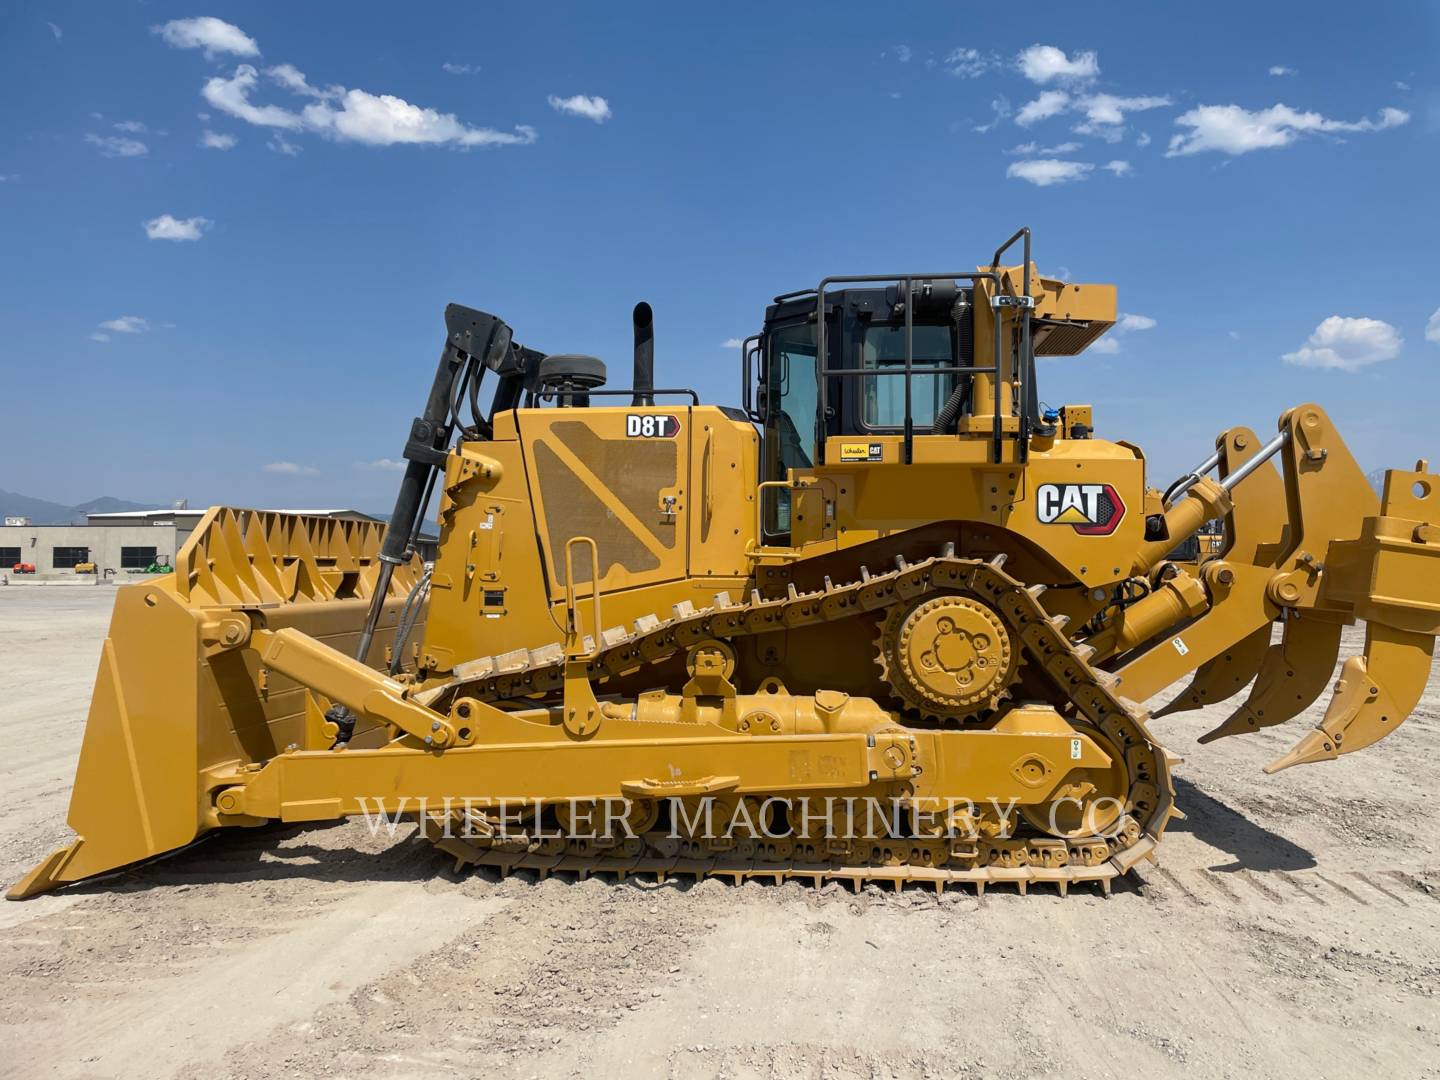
<point>949,656</point>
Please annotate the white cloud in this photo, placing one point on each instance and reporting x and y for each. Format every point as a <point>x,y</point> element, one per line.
<point>7,178</point>
<point>1109,109</point>
<point>1344,344</point>
<point>208,33</point>
<point>1143,139</point>
<point>1030,149</point>
<point>460,69</point>
<point>733,343</point>
<point>127,324</point>
<point>1048,104</point>
<point>1432,328</point>
<point>591,108</point>
<point>1045,63</point>
<point>293,79</point>
<point>115,146</point>
<point>1046,171</point>
<point>1126,324</point>
<point>1233,130</point>
<point>282,145</point>
<point>903,53</point>
<point>1234,335</point>
<point>384,120</point>
<point>134,127</point>
<point>55,30</point>
<point>212,140</point>
<point>232,96</point>
<point>1119,168</point>
<point>999,110</point>
<point>1105,113</point>
<point>355,116</point>
<point>166,227</point>
<point>290,468</point>
<point>970,63</point>
<point>1282,70</point>
<point>379,464</point>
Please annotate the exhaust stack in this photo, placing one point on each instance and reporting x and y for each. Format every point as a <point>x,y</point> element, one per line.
<point>644,382</point>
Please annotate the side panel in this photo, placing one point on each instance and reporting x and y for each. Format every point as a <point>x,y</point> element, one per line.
<point>723,462</point>
<point>1082,502</point>
<point>488,592</point>
<point>619,476</point>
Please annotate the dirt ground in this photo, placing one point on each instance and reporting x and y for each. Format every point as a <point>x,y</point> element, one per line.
<point>1292,928</point>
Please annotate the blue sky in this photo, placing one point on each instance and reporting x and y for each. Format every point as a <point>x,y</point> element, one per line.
<point>263,210</point>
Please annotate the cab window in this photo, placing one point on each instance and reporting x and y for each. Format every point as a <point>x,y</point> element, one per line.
<point>794,391</point>
<point>883,397</point>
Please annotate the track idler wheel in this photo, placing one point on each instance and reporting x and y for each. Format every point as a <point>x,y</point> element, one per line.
<point>1090,802</point>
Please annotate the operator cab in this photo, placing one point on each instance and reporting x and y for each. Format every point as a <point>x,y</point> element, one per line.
<point>864,373</point>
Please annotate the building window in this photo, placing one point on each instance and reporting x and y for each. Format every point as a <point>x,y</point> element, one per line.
<point>9,556</point>
<point>136,558</point>
<point>67,558</point>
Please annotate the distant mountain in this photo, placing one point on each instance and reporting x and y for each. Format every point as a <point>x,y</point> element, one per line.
<point>40,511</point>
<point>45,512</point>
<point>107,504</point>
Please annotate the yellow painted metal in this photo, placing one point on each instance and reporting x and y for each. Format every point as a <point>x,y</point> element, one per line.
<point>824,664</point>
<point>949,655</point>
<point>179,698</point>
<point>1253,534</point>
<point>1390,577</point>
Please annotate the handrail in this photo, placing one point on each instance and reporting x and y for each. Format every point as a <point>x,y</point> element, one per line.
<point>574,635</point>
<point>693,395</point>
<point>1029,396</point>
<point>747,377</point>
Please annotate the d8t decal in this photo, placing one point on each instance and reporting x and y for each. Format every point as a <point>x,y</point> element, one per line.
<point>651,426</point>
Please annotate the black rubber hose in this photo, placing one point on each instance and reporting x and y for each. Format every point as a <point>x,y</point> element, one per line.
<point>950,412</point>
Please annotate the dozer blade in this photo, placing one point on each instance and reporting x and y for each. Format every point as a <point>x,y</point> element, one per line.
<point>1292,675</point>
<point>180,702</point>
<point>1224,676</point>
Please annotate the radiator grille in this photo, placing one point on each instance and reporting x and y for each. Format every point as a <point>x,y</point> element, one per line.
<point>634,470</point>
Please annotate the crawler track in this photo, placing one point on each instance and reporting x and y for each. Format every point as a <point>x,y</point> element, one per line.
<point>1087,693</point>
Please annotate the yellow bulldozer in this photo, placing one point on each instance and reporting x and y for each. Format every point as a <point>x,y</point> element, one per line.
<point>889,620</point>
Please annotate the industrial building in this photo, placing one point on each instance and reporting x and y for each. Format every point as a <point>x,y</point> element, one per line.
<point>123,545</point>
